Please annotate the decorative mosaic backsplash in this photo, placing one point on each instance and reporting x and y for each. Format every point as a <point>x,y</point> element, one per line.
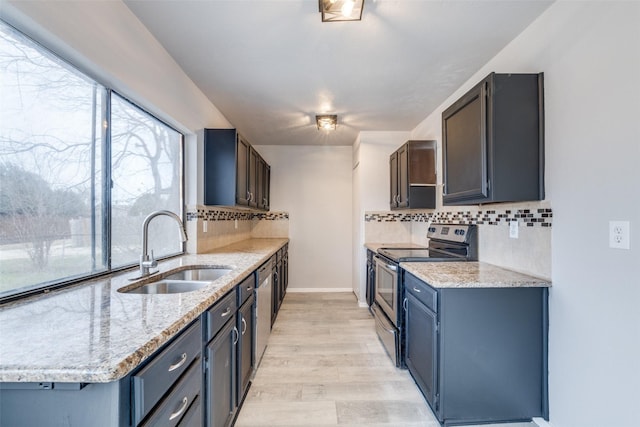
<point>230,215</point>
<point>531,217</point>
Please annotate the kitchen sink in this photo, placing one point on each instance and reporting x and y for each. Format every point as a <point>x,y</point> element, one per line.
<point>208,274</point>
<point>182,281</point>
<point>168,286</point>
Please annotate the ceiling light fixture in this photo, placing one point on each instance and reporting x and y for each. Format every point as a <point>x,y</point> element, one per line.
<point>327,121</point>
<point>341,10</point>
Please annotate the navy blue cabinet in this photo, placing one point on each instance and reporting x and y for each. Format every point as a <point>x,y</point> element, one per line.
<point>234,172</point>
<point>478,355</point>
<point>221,376</point>
<point>493,142</point>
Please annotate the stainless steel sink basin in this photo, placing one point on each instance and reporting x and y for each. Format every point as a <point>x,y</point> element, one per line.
<point>183,281</point>
<point>168,286</point>
<point>200,273</point>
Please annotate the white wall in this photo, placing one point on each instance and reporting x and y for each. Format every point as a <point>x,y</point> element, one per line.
<point>313,184</point>
<point>370,191</point>
<point>590,54</point>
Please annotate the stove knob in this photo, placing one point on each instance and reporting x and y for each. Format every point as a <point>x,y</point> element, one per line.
<point>461,232</point>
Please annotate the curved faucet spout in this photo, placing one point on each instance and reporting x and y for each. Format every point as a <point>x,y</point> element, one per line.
<point>147,263</point>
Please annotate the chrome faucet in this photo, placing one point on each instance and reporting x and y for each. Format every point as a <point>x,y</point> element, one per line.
<point>146,262</point>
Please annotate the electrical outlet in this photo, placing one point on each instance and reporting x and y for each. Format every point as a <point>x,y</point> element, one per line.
<point>513,229</point>
<point>235,223</point>
<point>204,226</point>
<point>619,234</point>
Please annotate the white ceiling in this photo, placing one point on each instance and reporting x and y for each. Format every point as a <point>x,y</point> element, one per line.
<point>271,65</point>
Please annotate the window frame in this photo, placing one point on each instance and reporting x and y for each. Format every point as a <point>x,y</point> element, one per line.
<point>106,226</point>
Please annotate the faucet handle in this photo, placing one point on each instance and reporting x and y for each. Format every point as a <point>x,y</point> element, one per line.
<point>150,262</point>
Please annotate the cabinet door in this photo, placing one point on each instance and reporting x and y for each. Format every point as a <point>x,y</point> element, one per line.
<point>393,179</point>
<point>266,190</point>
<point>246,348</point>
<point>403,177</point>
<point>222,376</point>
<point>464,137</point>
<point>421,348</point>
<point>275,294</point>
<point>263,177</point>
<point>242,171</point>
<point>259,196</point>
<point>285,269</point>
<point>252,177</point>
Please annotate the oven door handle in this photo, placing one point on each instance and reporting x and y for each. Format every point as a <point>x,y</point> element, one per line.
<point>387,327</point>
<point>385,265</point>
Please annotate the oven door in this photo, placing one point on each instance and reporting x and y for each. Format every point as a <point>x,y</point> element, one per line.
<point>387,287</point>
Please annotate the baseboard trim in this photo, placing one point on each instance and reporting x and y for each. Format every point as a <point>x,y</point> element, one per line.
<point>363,304</point>
<point>541,422</point>
<point>302,290</point>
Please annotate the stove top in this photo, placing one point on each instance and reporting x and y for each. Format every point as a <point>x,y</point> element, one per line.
<point>447,242</point>
<point>416,254</point>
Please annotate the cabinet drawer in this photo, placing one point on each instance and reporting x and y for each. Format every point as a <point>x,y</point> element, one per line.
<point>175,406</point>
<point>246,288</point>
<point>193,417</point>
<point>423,292</point>
<point>153,381</point>
<point>220,313</point>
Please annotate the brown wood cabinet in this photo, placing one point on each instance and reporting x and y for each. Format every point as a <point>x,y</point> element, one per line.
<point>413,176</point>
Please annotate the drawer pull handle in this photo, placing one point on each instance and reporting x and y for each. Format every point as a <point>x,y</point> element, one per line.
<point>226,313</point>
<point>417,290</point>
<point>183,359</point>
<point>244,326</point>
<point>179,412</point>
<point>249,288</point>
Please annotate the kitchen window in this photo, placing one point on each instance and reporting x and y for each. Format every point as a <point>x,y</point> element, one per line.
<point>80,168</point>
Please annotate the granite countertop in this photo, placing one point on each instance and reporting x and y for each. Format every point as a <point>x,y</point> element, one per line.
<point>471,275</point>
<point>375,246</point>
<point>92,333</point>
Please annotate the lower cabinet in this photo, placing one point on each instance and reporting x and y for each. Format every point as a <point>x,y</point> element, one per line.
<point>478,355</point>
<point>175,370</point>
<point>246,346</point>
<point>221,376</point>
<point>230,353</point>
<point>199,378</point>
<point>280,280</point>
<point>421,347</point>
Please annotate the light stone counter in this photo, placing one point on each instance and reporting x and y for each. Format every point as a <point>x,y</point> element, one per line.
<point>470,275</point>
<point>92,333</point>
<point>375,246</point>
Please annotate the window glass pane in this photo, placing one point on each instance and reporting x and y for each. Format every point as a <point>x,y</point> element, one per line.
<point>51,143</point>
<point>146,164</point>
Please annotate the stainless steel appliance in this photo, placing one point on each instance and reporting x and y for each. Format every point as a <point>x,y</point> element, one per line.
<point>447,242</point>
<point>263,308</point>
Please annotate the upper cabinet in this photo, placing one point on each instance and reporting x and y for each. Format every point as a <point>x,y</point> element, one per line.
<point>493,142</point>
<point>234,172</point>
<point>413,176</point>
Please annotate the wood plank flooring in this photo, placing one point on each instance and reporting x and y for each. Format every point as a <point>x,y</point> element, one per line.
<point>324,366</point>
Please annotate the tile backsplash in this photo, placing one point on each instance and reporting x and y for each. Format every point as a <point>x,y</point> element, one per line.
<point>530,253</point>
<point>227,225</point>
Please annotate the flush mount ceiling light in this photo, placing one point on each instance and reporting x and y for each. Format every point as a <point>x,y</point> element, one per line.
<point>341,10</point>
<point>327,121</point>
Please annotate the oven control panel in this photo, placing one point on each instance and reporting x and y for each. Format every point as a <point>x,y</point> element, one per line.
<point>450,232</point>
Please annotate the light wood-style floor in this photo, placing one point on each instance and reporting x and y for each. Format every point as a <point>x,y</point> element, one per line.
<point>324,366</point>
